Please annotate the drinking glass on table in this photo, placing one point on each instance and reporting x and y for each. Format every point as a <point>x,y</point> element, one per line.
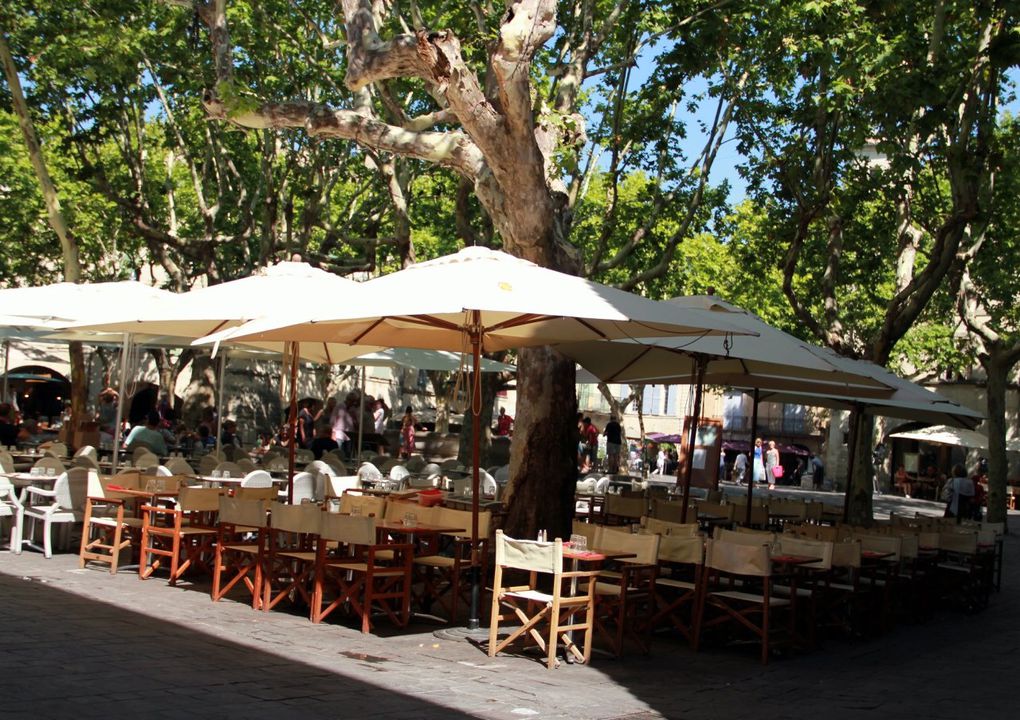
<point>579,542</point>
<point>410,519</point>
<point>50,472</point>
<point>216,473</point>
<point>36,471</point>
<point>226,474</point>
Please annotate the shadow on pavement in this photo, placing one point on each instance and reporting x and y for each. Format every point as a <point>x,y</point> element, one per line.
<point>66,655</point>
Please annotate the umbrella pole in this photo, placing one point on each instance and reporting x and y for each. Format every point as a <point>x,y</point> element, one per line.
<point>361,410</point>
<point>7,365</point>
<point>750,477</point>
<point>125,351</point>
<point>220,372</point>
<point>292,421</point>
<point>692,436</point>
<point>476,419</point>
<point>856,416</point>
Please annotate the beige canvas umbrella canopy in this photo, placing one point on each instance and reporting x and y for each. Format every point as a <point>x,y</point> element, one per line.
<point>945,435</point>
<point>482,300</point>
<point>769,358</point>
<point>191,315</point>
<point>61,304</point>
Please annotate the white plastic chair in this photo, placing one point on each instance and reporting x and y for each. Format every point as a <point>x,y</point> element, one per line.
<point>257,479</point>
<point>399,472</point>
<point>87,451</point>
<point>85,461</point>
<point>304,488</point>
<point>338,485</point>
<point>11,507</point>
<point>369,473</point>
<point>65,503</point>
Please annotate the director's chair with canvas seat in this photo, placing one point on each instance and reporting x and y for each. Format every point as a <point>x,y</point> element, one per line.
<point>557,606</point>
<point>240,547</point>
<point>181,536</point>
<point>354,571</point>
<point>737,588</point>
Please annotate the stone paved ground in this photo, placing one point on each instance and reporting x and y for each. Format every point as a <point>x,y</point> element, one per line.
<point>82,643</point>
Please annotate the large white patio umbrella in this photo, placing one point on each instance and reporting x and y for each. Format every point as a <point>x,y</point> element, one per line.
<point>65,303</point>
<point>769,359</point>
<point>484,300</point>
<point>908,401</point>
<point>280,288</point>
<point>945,435</point>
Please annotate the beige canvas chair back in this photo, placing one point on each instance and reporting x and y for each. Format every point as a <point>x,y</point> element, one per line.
<point>199,499</point>
<point>626,507</point>
<point>448,517</point>
<point>644,547</point>
<point>397,509</point>
<point>668,511</point>
<point>139,451</point>
<point>743,538</point>
<point>85,461</point>
<point>530,555</point>
<point>910,546</point>
<point>50,462</point>
<point>179,466</point>
<point>846,554</point>
<point>796,510</point>
<point>348,529</point>
<point>256,493</point>
<point>368,505</point>
<point>958,542</point>
<point>681,549</point>
<point>881,543</point>
<point>305,518</point>
<point>737,559</point>
<point>664,527</point>
<point>131,479</point>
<point>788,545</point>
<point>726,511</point>
<point>247,513</point>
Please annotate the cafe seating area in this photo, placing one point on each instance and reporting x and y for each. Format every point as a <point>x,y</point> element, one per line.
<point>390,542</point>
<point>788,574</point>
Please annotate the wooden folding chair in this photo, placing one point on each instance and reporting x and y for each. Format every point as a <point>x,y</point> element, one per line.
<point>625,589</point>
<point>444,572</point>
<point>359,573</point>
<point>289,559</point>
<point>534,607</point>
<point>240,544</point>
<point>109,526</point>
<point>676,586</point>
<point>182,535</point>
<point>749,605</point>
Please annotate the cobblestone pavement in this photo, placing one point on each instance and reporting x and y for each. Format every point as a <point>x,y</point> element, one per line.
<point>88,644</point>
